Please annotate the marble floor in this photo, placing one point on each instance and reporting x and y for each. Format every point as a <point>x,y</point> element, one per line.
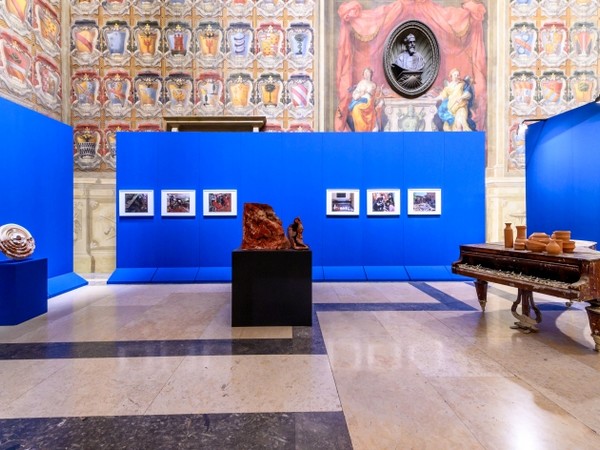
<point>384,366</point>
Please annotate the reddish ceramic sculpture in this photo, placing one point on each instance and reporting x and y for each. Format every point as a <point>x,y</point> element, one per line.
<point>262,229</point>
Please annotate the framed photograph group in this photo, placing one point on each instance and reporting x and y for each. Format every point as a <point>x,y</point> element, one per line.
<point>136,203</point>
<point>343,202</point>
<point>424,201</point>
<point>220,202</point>
<point>383,202</point>
<point>178,203</point>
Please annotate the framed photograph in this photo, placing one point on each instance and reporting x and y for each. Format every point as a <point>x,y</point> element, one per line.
<point>343,202</point>
<point>425,201</point>
<point>220,202</point>
<point>383,202</point>
<point>178,203</point>
<point>136,203</point>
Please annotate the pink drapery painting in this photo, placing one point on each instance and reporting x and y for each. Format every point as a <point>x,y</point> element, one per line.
<point>363,33</point>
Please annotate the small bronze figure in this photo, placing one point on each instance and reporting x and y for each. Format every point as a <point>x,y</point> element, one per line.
<point>294,232</point>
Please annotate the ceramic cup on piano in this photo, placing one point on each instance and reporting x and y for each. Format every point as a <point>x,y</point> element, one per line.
<point>540,237</point>
<point>534,245</point>
<point>562,235</point>
<point>568,246</point>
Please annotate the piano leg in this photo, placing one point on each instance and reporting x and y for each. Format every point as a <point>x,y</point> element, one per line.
<point>594,317</point>
<point>481,289</point>
<point>526,322</point>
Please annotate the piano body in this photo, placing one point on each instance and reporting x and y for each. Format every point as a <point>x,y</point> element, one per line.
<point>572,276</point>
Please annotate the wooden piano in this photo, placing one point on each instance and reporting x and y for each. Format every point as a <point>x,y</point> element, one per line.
<point>572,276</point>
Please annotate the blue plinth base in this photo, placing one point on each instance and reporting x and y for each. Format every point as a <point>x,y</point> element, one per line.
<point>23,290</point>
<point>64,283</point>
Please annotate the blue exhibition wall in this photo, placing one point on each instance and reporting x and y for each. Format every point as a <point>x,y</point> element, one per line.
<point>291,172</point>
<point>562,183</point>
<point>37,188</point>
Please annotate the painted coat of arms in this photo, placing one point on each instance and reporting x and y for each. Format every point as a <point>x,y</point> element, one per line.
<point>85,7</point>
<point>240,8</point>
<point>523,88</point>
<point>115,7</point>
<point>239,41</point>
<point>269,45</point>
<point>524,8</point>
<point>15,64</point>
<point>270,8</point>
<point>239,94</point>
<point>209,39</point>
<point>117,91</point>
<point>87,140</point>
<point>553,44</point>
<point>148,94</point>
<point>116,43</point>
<point>178,37</point>
<point>16,15</point>
<point>583,87</point>
<point>269,94</point>
<point>300,45</point>
<point>178,7</point>
<point>209,90</point>
<point>584,43</point>
<point>47,83</point>
<point>301,8</point>
<point>46,28</point>
<point>110,143</point>
<point>179,93</point>
<point>300,96</point>
<point>553,86</point>
<point>524,43</point>
<point>209,8</point>
<point>86,90</point>
<point>146,43</point>
<point>84,43</point>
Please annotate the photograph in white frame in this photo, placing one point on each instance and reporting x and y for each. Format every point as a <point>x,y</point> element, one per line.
<point>425,201</point>
<point>178,203</point>
<point>343,202</point>
<point>220,202</point>
<point>136,203</point>
<point>383,202</point>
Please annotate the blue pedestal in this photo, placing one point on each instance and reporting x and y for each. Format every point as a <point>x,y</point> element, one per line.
<point>23,290</point>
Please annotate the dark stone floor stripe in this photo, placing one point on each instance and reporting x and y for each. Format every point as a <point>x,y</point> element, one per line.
<point>315,430</point>
<point>305,340</point>
<point>452,304</point>
<point>126,349</point>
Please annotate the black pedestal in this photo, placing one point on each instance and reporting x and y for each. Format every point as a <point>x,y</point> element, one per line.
<point>271,287</point>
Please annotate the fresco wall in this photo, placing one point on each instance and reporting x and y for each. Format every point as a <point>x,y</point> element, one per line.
<point>553,63</point>
<point>135,61</point>
<point>30,55</point>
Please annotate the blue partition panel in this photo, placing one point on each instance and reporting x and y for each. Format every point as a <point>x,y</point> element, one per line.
<point>562,184</point>
<point>291,172</point>
<point>37,186</point>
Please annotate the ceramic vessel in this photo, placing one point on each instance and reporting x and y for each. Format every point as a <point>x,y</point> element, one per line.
<point>553,247</point>
<point>535,246</point>
<point>508,235</point>
<point>521,237</point>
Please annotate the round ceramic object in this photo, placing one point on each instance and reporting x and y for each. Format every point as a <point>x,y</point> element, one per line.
<point>568,246</point>
<point>15,241</point>
<point>562,235</point>
<point>535,246</point>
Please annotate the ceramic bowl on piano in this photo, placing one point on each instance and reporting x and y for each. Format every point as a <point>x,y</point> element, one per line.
<point>535,245</point>
<point>568,246</point>
<point>562,235</point>
<point>541,237</point>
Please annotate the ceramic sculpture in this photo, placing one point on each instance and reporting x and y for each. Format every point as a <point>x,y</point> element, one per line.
<point>262,229</point>
<point>15,241</point>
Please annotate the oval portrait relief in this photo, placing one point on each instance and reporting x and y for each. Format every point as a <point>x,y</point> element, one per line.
<point>411,59</point>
